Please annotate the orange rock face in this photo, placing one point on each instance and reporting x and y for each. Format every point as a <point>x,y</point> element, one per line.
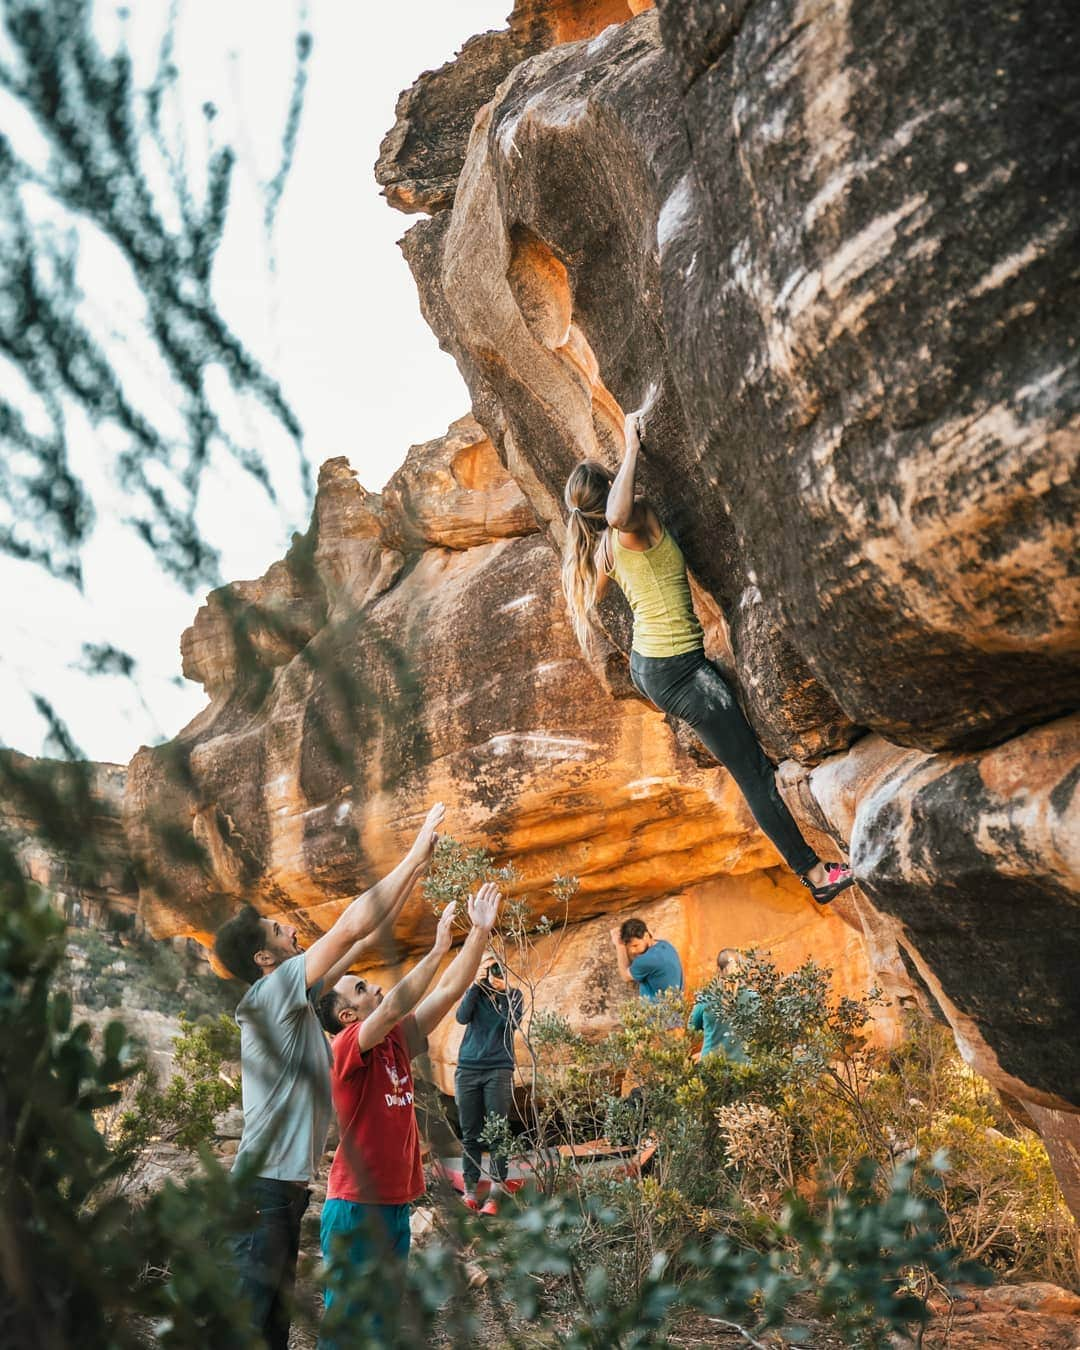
<point>444,668</point>
<point>576,973</point>
<point>421,156</point>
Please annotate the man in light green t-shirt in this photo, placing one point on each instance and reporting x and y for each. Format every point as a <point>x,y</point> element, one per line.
<point>285,1067</point>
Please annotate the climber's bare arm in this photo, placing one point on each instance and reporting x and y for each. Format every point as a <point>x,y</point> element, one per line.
<point>377,946</point>
<point>402,999</point>
<point>637,523</point>
<point>622,510</point>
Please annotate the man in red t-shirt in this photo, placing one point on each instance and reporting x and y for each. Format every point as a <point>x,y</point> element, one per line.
<point>376,1172</point>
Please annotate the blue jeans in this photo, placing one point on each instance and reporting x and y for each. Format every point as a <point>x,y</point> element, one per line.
<point>265,1257</point>
<point>691,688</point>
<point>355,1236</point>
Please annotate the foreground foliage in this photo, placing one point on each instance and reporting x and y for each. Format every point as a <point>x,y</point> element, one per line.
<point>816,1115</point>
<point>93,164</point>
<point>81,1265</point>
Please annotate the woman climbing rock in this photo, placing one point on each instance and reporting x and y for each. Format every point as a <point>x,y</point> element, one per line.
<point>612,534</point>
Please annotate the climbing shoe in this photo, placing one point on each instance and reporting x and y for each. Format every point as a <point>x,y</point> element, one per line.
<point>838,878</point>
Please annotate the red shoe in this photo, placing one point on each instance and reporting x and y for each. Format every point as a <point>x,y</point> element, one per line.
<point>839,877</point>
<point>471,1202</point>
<point>491,1208</point>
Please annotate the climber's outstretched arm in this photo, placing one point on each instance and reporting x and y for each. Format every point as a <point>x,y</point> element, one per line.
<point>378,944</point>
<point>622,511</point>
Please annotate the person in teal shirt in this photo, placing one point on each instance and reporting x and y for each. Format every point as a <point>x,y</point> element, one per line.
<point>651,963</point>
<point>720,1037</point>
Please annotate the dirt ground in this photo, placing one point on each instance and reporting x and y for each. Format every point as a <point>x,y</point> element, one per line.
<point>689,1330</point>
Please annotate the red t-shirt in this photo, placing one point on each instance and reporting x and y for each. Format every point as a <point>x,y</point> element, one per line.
<point>378,1159</point>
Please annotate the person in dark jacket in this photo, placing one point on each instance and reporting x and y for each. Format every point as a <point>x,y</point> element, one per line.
<point>484,1082</point>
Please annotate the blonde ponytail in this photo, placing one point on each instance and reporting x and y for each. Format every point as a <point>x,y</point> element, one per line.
<point>586,497</point>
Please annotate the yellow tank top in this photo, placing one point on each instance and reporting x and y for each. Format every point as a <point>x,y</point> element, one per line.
<point>658,591</point>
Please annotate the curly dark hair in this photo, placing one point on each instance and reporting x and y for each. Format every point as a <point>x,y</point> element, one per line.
<point>237,941</point>
<point>327,1010</point>
<point>633,928</point>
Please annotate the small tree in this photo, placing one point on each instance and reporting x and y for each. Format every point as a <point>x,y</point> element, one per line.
<point>455,873</point>
<point>202,1086</point>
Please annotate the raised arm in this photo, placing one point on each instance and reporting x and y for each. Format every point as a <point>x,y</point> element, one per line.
<point>622,511</point>
<point>483,911</point>
<point>408,991</point>
<point>621,956</point>
<point>379,942</point>
<point>467,1006</point>
<point>370,910</point>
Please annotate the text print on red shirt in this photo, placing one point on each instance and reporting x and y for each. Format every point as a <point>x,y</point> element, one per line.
<point>401,1083</point>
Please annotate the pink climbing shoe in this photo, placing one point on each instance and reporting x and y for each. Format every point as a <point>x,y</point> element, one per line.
<point>471,1202</point>
<point>490,1208</point>
<point>839,877</point>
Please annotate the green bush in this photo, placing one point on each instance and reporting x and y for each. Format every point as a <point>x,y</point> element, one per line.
<point>735,1142</point>
<point>552,1255</point>
<point>79,1265</point>
<point>200,1089</point>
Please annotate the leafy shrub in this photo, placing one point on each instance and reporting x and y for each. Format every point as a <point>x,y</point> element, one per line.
<point>202,1086</point>
<point>555,1252</point>
<point>735,1142</point>
<point>79,1265</point>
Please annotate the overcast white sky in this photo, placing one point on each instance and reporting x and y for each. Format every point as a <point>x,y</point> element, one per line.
<point>339,325</point>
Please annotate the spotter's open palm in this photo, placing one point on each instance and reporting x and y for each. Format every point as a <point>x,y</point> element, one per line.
<point>484,906</point>
<point>444,933</point>
<point>428,836</point>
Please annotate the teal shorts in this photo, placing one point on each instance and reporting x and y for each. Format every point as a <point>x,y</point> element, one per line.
<point>354,1237</point>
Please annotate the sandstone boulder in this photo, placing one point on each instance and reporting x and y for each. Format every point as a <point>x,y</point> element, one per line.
<point>813,241</point>
<point>422,154</point>
<point>856,330</point>
<point>63,823</point>
<point>453,492</point>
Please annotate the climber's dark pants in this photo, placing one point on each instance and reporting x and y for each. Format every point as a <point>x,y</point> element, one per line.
<point>692,689</point>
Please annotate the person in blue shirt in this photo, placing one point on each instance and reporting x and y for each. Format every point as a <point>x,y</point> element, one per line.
<point>484,1082</point>
<point>651,963</point>
<point>720,1037</point>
